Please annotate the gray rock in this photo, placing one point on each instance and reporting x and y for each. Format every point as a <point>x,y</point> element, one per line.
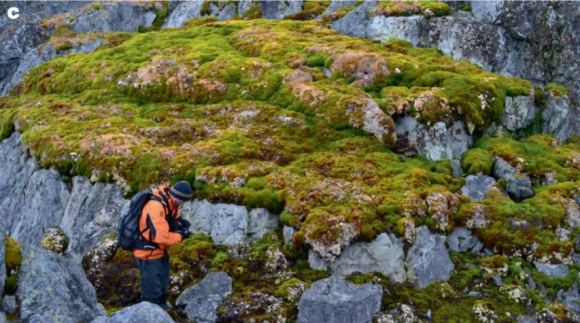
<point>53,288</point>
<point>184,11</point>
<point>436,142</point>
<point>15,174</point>
<point>487,11</point>
<point>463,37</point>
<point>385,255</point>
<point>520,187</point>
<point>143,312</point>
<point>552,270</point>
<point>226,223</point>
<point>112,16</point>
<point>46,196</point>
<point>288,233</point>
<point>335,300</point>
<point>202,300</point>
<point>476,186</point>
<point>497,281</point>
<point>519,112</point>
<point>92,212</point>
<point>570,298</point>
<point>260,221</point>
<point>406,28</point>
<point>356,22</point>
<point>2,317</point>
<point>37,56</point>
<point>337,4</point>
<point>279,9</point>
<point>9,304</point>
<point>316,262</point>
<point>2,264</point>
<point>461,240</point>
<point>502,169</point>
<point>428,260</point>
<point>560,118</point>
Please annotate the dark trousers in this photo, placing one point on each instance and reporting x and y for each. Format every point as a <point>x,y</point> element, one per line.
<point>154,279</point>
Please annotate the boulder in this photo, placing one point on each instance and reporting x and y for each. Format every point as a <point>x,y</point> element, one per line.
<point>54,240</point>
<point>406,28</point>
<point>2,317</point>
<point>356,22</point>
<point>436,142</point>
<point>15,174</point>
<point>461,240</point>
<point>227,223</point>
<point>552,270</point>
<point>111,16</point>
<point>559,118</point>
<point>279,9</point>
<point>520,187</point>
<point>428,260</point>
<point>143,312</point>
<point>201,301</point>
<point>570,298</point>
<point>476,186</point>
<point>519,112</point>
<point>461,36</point>
<point>502,169</point>
<point>44,53</point>
<point>92,212</point>
<point>384,254</point>
<point>335,300</point>
<point>54,288</point>
<point>46,196</point>
<point>184,11</point>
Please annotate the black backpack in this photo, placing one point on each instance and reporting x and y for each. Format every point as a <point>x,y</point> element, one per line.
<point>128,235</point>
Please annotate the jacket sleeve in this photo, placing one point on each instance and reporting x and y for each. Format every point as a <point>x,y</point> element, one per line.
<point>159,227</point>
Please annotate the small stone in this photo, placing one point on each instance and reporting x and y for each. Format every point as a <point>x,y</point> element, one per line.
<point>144,312</point>
<point>483,313</point>
<point>476,186</point>
<point>334,300</point>
<point>200,302</point>
<point>552,270</point>
<point>9,304</point>
<point>428,259</point>
<point>55,240</point>
<point>288,233</point>
<point>520,188</point>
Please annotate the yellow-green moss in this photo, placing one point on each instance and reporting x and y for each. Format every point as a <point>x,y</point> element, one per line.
<point>556,89</point>
<point>407,8</point>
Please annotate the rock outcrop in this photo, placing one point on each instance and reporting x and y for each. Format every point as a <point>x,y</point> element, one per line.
<point>428,260</point>
<point>436,142</point>
<point>335,300</point>
<point>228,224</point>
<point>54,288</point>
<point>200,302</point>
<point>384,255</point>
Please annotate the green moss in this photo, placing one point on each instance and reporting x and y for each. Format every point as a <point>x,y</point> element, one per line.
<point>556,89</point>
<point>13,259</point>
<point>407,8</point>
<point>477,160</point>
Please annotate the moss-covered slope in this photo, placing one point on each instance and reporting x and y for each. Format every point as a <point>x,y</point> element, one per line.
<point>286,115</point>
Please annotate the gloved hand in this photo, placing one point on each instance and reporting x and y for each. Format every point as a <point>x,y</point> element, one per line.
<point>184,223</point>
<point>184,234</point>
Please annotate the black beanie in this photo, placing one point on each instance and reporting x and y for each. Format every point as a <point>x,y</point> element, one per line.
<point>181,191</point>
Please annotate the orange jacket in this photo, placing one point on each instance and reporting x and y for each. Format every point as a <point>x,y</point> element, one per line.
<point>156,228</point>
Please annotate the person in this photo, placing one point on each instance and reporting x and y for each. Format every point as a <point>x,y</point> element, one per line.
<point>161,227</point>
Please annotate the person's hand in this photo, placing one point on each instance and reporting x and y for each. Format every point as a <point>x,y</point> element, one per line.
<point>184,223</point>
<point>184,234</point>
